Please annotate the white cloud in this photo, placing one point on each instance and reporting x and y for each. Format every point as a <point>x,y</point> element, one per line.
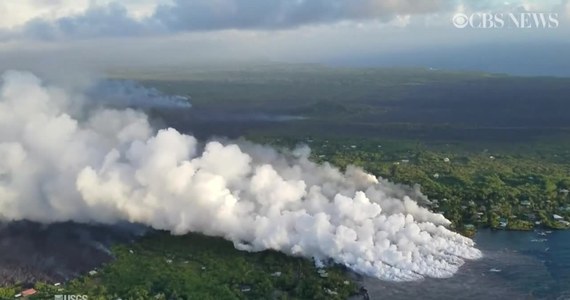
<point>18,12</point>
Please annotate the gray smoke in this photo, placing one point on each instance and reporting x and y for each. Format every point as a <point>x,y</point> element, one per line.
<point>127,93</point>
<point>112,167</point>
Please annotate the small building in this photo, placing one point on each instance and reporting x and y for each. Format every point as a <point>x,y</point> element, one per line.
<point>29,292</point>
<point>405,161</point>
<point>557,217</point>
<point>276,274</point>
<point>436,175</point>
<point>525,203</point>
<point>503,223</point>
<point>469,226</point>
<point>446,160</point>
<point>331,292</point>
<point>323,273</point>
<point>92,272</point>
<point>245,288</point>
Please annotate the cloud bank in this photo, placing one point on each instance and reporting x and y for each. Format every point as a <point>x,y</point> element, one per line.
<point>111,165</point>
<point>117,18</point>
<point>106,18</point>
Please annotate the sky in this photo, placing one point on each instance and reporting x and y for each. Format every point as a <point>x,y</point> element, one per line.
<point>45,34</point>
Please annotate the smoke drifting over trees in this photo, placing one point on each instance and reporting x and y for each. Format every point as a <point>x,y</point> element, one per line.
<point>110,165</point>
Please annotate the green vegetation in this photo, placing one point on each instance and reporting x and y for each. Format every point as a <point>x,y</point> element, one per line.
<point>470,185</point>
<point>161,266</point>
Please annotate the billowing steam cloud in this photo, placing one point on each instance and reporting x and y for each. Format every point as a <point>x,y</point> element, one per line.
<point>113,166</point>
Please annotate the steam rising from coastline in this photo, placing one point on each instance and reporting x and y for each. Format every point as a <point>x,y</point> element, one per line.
<point>112,166</point>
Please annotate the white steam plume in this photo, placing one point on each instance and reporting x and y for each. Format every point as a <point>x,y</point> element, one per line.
<point>112,166</point>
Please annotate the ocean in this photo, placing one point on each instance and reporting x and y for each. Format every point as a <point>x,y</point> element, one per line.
<point>516,265</point>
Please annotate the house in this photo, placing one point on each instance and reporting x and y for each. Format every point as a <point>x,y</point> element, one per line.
<point>92,272</point>
<point>29,292</point>
<point>446,160</point>
<point>331,292</point>
<point>503,222</point>
<point>436,175</point>
<point>557,217</point>
<point>245,288</point>
<point>469,226</point>
<point>323,273</point>
<point>276,274</point>
<point>525,203</point>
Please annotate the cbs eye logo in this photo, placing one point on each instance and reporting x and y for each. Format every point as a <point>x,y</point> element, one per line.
<point>460,20</point>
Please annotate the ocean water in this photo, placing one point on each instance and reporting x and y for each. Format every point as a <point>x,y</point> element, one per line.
<point>516,265</point>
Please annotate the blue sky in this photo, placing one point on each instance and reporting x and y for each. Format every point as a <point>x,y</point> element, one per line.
<point>340,32</point>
